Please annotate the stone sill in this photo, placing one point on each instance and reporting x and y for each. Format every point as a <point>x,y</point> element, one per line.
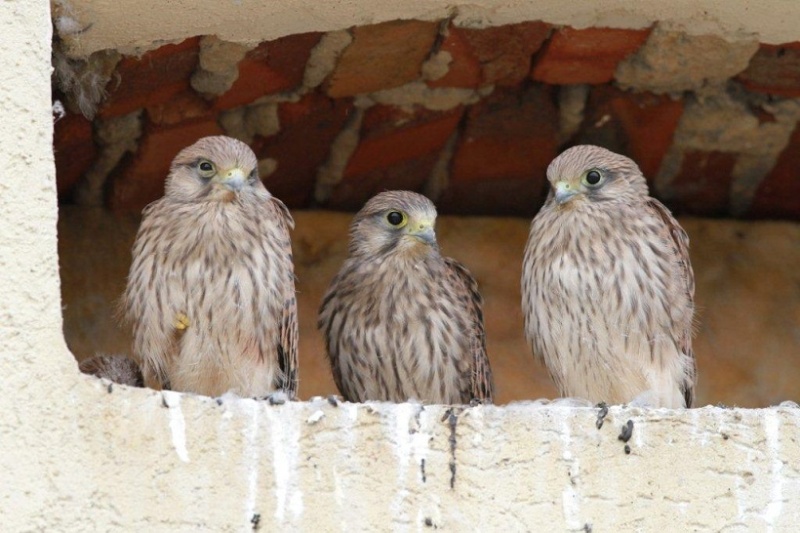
<point>315,466</point>
<point>132,26</point>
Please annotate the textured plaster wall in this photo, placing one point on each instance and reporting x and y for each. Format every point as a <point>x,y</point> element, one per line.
<point>76,455</point>
<point>131,25</point>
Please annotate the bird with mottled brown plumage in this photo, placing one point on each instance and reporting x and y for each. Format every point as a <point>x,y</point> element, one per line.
<point>400,321</point>
<point>117,368</point>
<point>607,286</point>
<point>211,292</point>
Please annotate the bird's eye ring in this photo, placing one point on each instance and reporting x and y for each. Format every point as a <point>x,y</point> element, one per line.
<point>593,177</point>
<point>396,218</point>
<point>206,169</point>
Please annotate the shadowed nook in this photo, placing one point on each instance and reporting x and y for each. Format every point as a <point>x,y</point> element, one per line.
<point>468,106</point>
<point>471,115</point>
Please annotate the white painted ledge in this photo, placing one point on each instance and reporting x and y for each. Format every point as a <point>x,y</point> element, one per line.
<point>135,459</point>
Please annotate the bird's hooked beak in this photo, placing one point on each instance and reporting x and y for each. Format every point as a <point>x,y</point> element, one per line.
<point>234,179</point>
<point>564,192</point>
<point>423,230</point>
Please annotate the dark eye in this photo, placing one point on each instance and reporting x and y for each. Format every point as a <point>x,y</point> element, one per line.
<point>395,218</point>
<point>206,169</point>
<point>593,177</point>
<point>253,176</point>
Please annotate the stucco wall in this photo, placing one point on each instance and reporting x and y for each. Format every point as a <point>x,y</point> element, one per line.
<point>131,25</point>
<point>76,457</point>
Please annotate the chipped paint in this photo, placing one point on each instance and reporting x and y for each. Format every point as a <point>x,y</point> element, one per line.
<point>285,460</point>
<point>252,458</point>
<point>570,496</point>
<point>775,506</point>
<point>177,424</point>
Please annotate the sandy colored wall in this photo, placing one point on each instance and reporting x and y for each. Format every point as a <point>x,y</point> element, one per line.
<point>131,25</point>
<point>79,456</point>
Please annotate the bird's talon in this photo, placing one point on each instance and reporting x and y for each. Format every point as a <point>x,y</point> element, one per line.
<point>181,321</point>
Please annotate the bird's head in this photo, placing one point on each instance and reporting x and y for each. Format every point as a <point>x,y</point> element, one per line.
<point>214,168</point>
<point>394,222</point>
<point>586,174</point>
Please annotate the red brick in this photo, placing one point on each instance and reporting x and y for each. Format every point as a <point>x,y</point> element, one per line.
<point>508,140</point>
<point>638,125</point>
<point>187,105</point>
<point>74,151</point>
<point>390,135</point>
<point>586,56</point>
<point>702,187</point>
<point>308,127</point>
<point>464,70</point>
<point>778,196</point>
<point>153,79</point>
<point>408,175</point>
<point>141,178</point>
<point>382,56</point>
<point>397,150</point>
<point>270,68</point>
<point>774,69</point>
<point>499,197</point>
<point>502,54</point>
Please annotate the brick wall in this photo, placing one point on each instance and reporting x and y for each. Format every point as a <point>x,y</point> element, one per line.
<point>470,116</point>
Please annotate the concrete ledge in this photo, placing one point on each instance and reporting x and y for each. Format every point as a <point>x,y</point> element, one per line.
<point>134,459</point>
<point>133,26</point>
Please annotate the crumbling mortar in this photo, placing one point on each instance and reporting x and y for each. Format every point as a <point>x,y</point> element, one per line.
<point>218,66</point>
<point>245,122</point>
<point>673,62</point>
<point>726,122</point>
<point>323,58</point>
<point>115,137</point>
<point>342,148</point>
<point>571,110</point>
<point>439,179</point>
<point>437,64</point>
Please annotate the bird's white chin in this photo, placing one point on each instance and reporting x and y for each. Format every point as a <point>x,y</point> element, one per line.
<point>222,194</point>
<point>413,245</point>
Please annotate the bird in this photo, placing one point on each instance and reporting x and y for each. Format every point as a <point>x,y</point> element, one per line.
<point>608,286</point>
<point>210,292</point>
<point>117,368</point>
<point>401,322</point>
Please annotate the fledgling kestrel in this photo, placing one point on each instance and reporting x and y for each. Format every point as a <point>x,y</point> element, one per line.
<point>211,288</point>
<point>607,286</point>
<point>117,368</point>
<point>400,321</point>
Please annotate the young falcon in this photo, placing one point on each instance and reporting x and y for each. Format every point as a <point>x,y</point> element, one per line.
<point>400,321</point>
<point>117,368</point>
<point>607,287</point>
<point>211,287</point>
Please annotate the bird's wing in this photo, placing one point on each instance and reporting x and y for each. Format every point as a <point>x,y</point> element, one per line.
<point>287,349</point>
<point>283,213</point>
<point>680,243</point>
<point>155,338</point>
<point>481,386</point>
<point>327,316</point>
